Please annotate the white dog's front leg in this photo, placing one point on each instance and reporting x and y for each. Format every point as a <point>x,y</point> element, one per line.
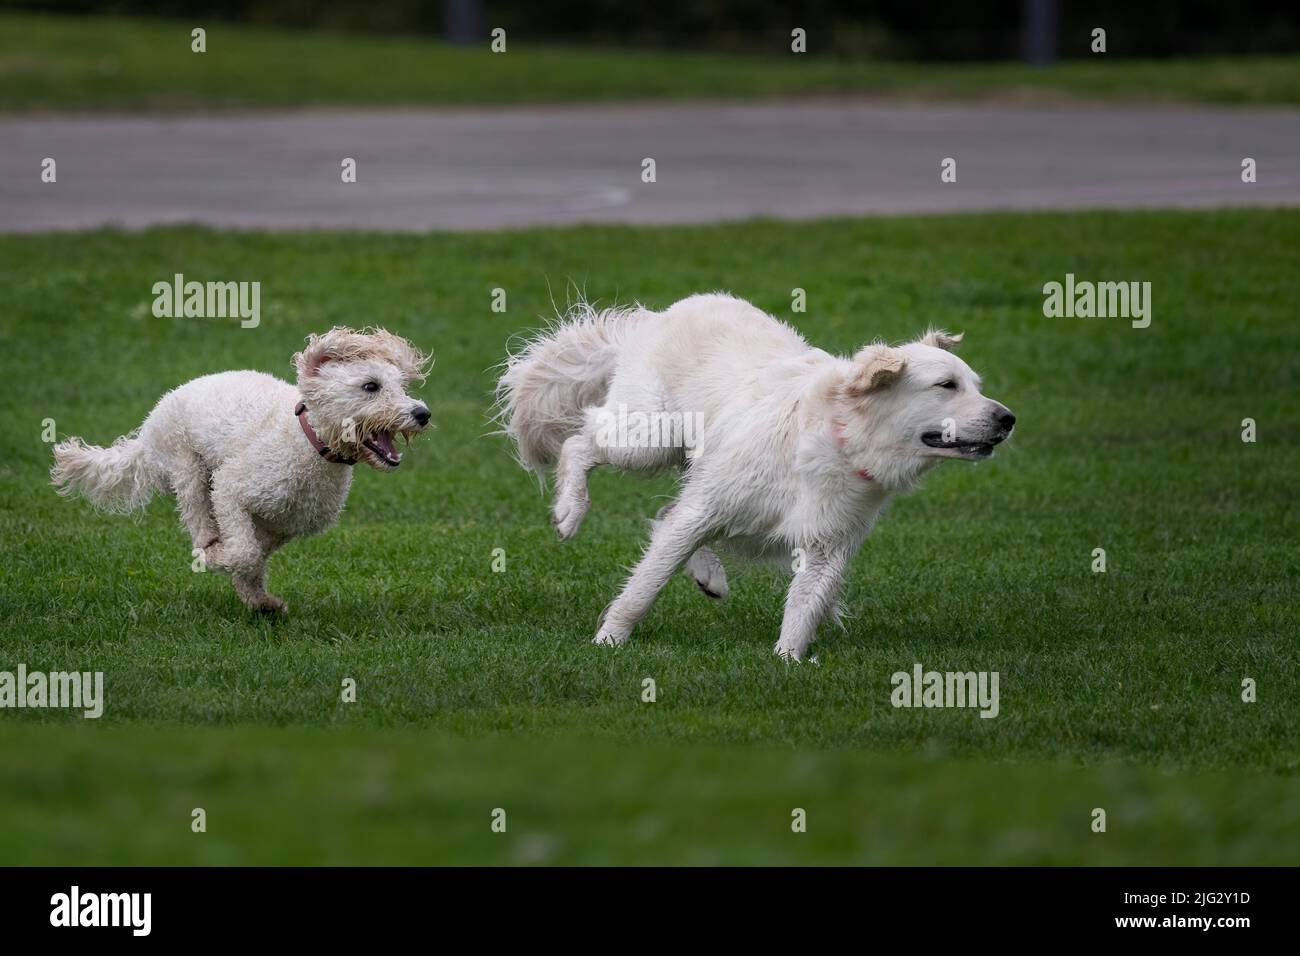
<point>673,539</point>
<point>812,594</point>
<point>242,551</point>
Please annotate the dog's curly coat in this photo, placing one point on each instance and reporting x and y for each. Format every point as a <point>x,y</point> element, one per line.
<point>235,448</point>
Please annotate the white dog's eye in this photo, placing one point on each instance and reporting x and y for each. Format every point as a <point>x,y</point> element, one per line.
<point>948,384</point>
<point>371,387</point>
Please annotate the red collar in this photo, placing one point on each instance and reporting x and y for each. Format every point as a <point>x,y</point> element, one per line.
<point>837,430</point>
<point>321,448</point>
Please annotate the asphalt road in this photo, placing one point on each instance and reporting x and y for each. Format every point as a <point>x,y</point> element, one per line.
<point>487,169</point>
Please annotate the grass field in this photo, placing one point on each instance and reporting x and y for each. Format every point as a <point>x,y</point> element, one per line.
<point>479,690</point>
<point>67,63</point>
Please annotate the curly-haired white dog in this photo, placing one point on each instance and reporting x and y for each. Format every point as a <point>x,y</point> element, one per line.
<point>796,453</point>
<point>254,461</point>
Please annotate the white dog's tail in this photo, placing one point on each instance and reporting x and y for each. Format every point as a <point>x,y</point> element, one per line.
<point>558,373</point>
<point>116,478</point>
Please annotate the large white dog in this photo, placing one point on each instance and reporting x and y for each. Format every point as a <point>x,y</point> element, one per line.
<point>784,450</point>
<point>254,461</point>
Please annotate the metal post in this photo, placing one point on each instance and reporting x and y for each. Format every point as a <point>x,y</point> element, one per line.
<point>1040,31</point>
<point>462,21</point>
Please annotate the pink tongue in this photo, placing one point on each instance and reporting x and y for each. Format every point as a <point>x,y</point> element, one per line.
<point>384,442</point>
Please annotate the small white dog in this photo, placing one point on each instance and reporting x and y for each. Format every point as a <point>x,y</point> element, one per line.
<point>254,461</point>
<point>798,452</point>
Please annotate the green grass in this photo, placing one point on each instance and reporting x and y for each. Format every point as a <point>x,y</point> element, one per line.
<point>306,796</point>
<point>62,63</point>
<point>479,689</point>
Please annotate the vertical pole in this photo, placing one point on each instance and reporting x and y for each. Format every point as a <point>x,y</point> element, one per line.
<point>1040,31</point>
<point>462,21</point>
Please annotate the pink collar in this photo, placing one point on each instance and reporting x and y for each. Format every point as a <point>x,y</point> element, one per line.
<point>322,449</point>
<point>837,432</point>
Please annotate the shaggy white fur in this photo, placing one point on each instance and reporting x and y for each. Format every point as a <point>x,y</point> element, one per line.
<point>233,450</point>
<point>801,449</point>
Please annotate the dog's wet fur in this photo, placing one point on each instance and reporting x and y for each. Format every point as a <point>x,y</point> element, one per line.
<point>245,475</point>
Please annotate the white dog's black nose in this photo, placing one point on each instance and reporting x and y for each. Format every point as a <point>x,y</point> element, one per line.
<point>1006,419</point>
<point>421,415</point>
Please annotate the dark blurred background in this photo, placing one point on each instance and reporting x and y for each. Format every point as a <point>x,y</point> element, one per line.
<point>1038,30</point>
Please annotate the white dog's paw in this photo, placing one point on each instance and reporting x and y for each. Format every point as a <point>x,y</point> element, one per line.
<point>567,513</point>
<point>708,573</point>
<point>789,652</point>
<point>609,636</point>
<point>272,605</point>
<point>215,558</point>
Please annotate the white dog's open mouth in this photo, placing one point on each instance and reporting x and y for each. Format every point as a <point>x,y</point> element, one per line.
<point>967,449</point>
<point>380,451</point>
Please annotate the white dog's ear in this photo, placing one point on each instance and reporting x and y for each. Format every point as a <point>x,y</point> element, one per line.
<point>940,339</point>
<point>319,350</point>
<point>876,367</point>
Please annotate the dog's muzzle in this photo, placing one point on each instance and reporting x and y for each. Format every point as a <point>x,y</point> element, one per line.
<point>1003,422</point>
<point>380,447</point>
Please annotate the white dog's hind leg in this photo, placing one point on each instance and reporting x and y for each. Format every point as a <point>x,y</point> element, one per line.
<point>633,448</point>
<point>813,593</point>
<point>192,484</point>
<point>703,566</point>
<point>673,539</point>
<point>578,456</point>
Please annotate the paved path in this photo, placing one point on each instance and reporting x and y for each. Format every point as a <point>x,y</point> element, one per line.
<point>484,169</point>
